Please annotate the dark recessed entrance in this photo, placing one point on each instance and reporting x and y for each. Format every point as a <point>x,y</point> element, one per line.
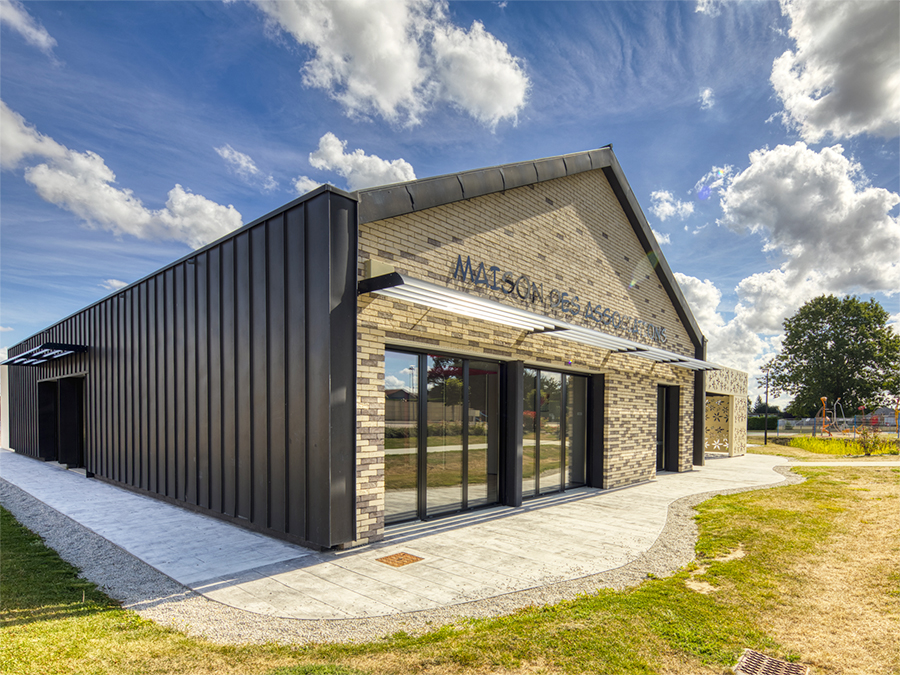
<point>667,404</point>
<point>61,421</point>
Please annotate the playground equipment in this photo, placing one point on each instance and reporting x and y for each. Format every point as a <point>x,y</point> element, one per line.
<point>830,420</point>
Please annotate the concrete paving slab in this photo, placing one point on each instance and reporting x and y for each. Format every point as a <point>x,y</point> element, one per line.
<point>465,557</point>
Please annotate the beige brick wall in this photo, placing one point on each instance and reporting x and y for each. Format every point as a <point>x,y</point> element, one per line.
<point>569,234</point>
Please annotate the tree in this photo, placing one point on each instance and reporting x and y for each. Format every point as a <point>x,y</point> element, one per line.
<point>838,348</point>
<point>761,408</point>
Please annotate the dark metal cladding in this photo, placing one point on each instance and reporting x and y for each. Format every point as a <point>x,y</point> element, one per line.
<point>548,169</point>
<point>384,203</point>
<point>478,183</point>
<point>596,454</point>
<point>513,392</point>
<point>518,175</point>
<point>433,192</point>
<point>225,382</point>
<point>577,163</point>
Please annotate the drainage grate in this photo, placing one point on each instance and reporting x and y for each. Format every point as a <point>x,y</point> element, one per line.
<point>399,559</point>
<point>754,663</point>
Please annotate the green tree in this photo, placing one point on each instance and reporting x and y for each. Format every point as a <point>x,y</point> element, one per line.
<point>839,348</point>
<point>760,408</point>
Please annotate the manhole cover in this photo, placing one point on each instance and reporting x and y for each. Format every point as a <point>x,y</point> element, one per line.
<point>754,663</point>
<point>399,559</point>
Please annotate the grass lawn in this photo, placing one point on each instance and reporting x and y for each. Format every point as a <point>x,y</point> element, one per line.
<point>805,572</point>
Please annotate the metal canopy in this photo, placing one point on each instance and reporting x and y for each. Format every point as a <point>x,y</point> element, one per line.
<point>49,351</point>
<point>402,287</point>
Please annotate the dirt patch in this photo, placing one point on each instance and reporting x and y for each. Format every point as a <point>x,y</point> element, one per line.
<point>705,587</point>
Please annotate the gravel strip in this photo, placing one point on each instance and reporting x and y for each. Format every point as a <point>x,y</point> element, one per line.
<point>155,596</point>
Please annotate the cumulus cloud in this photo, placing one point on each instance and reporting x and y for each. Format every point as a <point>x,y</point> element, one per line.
<point>396,59</point>
<point>14,15</point>
<point>843,78</point>
<point>113,284</point>
<point>304,184</point>
<point>245,168</point>
<point>6,329</point>
<point>359,169</point>
<point>817,209</point>
<point>661,237</point>
<point>81,183</point>
<point>664,205</point>
<point>707,98</point>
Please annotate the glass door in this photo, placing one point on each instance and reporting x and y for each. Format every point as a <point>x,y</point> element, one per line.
<point>441,435</point>
<point>554,432</point>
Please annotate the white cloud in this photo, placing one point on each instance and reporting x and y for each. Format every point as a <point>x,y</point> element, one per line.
<point>360,170</point>
<point>397,58</point>
<point>304,184</point>
<point>718,178</point>
<point>843,78</point>
<point>662,237</point>
<point>707,98</point>
<point>664,205</point>
<point>113,284</point>
<point>817,209</point>
<point>710,7</point>
<point>13,14</point>
<point>6,329</point>
<point>81,183</point>
<point>245,168</point>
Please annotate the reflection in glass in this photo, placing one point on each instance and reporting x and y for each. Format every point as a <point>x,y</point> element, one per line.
<point>444,439</point>
<point>576,430</point>
<point>550,425</point>
<point>400,442</point>
<point>483,441</point>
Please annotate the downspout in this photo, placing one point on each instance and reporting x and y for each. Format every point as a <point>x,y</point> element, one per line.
<point>700,407</point>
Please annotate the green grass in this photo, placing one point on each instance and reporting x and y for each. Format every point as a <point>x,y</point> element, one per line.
<point>659,625</point>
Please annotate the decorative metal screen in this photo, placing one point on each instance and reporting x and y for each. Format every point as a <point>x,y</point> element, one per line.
<point>717,423</point>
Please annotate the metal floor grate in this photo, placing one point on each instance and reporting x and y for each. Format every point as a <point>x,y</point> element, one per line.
<point>399,559</point>
<point>755,663</point>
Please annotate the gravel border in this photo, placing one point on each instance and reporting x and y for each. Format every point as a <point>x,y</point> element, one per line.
<point>157,597</point>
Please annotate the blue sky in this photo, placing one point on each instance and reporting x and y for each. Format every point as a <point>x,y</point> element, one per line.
<point>761,139</point>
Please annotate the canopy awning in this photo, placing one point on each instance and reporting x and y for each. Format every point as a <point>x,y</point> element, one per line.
<point>49,351</point>
<point>402,287</point>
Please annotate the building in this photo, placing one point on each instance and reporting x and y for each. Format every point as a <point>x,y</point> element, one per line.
<point>408,351</point>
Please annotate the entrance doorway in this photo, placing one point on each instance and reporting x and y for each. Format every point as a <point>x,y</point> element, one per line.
<point>61,421</point>
<point>667,405</point>
<point>554,436</point>
<point>442,435</point>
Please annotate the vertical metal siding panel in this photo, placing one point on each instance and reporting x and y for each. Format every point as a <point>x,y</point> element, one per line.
<point>107,356</point>
<point>243,382</point>
<point>92,400</point>
<point>229,379</point>
<point>258,375</point>
<point>154,438</point>
<point>113,394</point>
<point>318,359</point>
<point>169,399</point>
<point>134,365</point>
<point>127,400</point>
<point>342,314</point>
<point>295,328</point>
<point>277,375</point>
<point>190,400</point>
<point>216,365</point>
<point>180,404</point>
<point>143,389</point>
<point>203,339</point>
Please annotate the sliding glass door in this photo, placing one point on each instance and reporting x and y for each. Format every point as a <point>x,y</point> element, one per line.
<point>442,435</point>
<point>554,432</point>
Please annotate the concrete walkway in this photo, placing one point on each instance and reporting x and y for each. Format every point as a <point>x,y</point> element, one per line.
<point>463,558</point>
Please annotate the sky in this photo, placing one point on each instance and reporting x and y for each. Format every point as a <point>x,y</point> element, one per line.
<point>762,139</point>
